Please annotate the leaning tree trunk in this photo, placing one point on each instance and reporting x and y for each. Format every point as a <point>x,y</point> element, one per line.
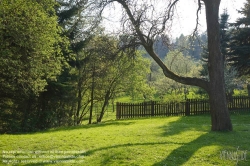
<point>220,117</point>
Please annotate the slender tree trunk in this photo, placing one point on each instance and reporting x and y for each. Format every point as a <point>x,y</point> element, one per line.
<point>105,104</point>
<point>220,117</point>
<point>92,96</point>
<point>79,98</point>
<point>79,104</point>
<point>99,119</point>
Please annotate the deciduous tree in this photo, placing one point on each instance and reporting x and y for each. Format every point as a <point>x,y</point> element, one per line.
<point>144,21</point>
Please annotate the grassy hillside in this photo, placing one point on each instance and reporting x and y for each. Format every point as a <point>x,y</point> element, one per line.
<point>156,141</point>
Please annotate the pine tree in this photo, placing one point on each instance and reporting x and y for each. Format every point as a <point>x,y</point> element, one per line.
<point>239,55</point>
<point>224,32</point>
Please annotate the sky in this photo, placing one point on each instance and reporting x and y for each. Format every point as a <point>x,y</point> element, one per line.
<point>185,16</point>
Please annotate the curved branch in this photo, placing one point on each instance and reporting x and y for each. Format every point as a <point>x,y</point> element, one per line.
<point>169,74</point>
<point>148,45</point>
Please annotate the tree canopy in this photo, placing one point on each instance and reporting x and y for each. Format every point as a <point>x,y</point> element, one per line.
<point>30,54</point>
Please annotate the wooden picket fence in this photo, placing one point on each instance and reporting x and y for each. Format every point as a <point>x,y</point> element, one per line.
<point>189,107</point>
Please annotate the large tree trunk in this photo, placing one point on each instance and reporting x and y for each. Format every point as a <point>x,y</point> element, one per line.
<point>220,117</point>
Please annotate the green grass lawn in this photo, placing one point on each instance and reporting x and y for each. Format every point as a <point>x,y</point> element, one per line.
<point>154,141</point>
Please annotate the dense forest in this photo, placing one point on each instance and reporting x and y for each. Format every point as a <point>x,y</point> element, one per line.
<point>57,64</point>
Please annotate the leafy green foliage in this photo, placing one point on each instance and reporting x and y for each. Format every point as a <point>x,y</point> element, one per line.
<point>29,48</point>
<point>181,65</point>
<point>30,57</point>
<point>109,73</point>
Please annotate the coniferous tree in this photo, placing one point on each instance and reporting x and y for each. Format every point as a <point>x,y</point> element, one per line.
<point>191,45</point>
<point>204,61</point>
<point>161,46</point>
<point>224,32</point>
<point>239,54</point>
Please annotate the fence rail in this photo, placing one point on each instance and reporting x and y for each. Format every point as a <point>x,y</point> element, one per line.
<point>189,107</point>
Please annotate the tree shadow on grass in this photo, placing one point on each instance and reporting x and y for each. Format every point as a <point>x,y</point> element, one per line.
<point>181,155</point>
<point>184,153</point>
<point>106,159</point>
<point>94,125</point>
<point>70,128</point>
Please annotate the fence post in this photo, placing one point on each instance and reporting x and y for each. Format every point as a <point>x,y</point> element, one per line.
<point>152,108</point>
<point>187,107</point>
<point>118,111</point>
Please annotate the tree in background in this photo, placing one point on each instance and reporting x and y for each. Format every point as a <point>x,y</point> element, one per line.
<point>161,46</point>
<point>114,73</point>
<point>224,35</point>
<point>183,44</point>
<point>239,53</point>
<point>191,45</point>
<point>136,82</point>
<point>78,26</point>
<point>182,65</point>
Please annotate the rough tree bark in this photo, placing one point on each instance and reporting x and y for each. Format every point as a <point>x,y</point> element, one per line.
<point>217,95</point>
